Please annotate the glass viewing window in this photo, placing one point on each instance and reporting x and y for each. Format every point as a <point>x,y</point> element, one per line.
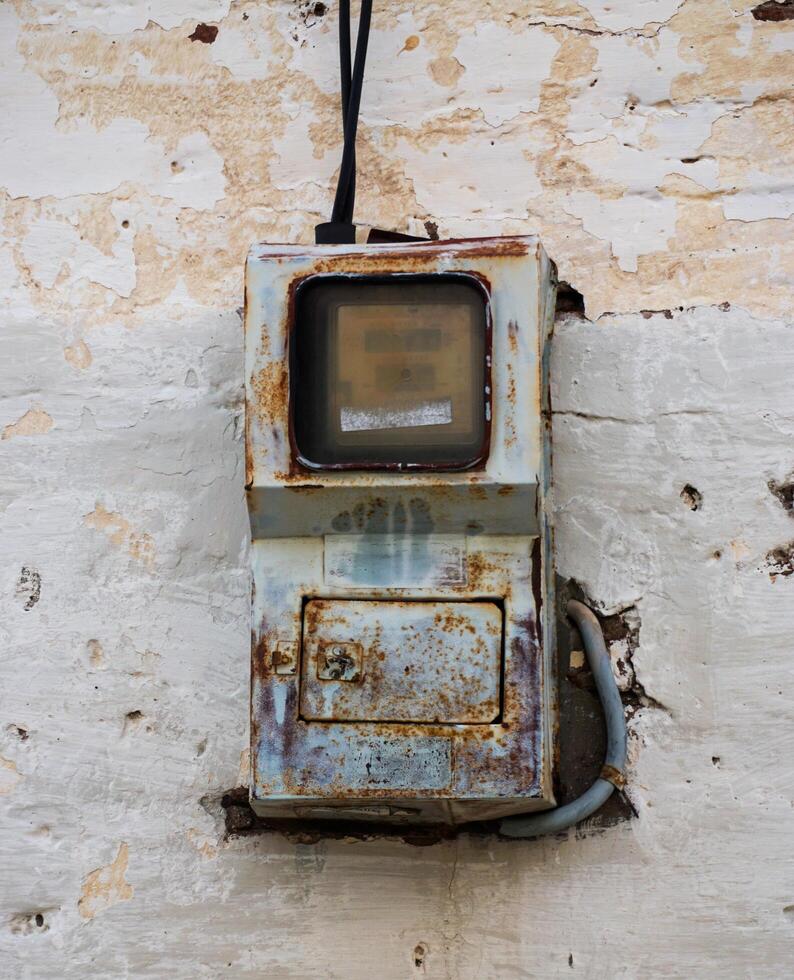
<point>390,372</point>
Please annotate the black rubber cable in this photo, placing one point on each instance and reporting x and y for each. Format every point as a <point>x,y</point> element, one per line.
<point>345,69</point>
<point>352,84</point>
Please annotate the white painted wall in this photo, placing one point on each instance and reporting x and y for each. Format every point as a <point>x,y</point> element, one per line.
<point>650,145</point>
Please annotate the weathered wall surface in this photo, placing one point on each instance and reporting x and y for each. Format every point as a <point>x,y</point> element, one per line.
<point>649,142</point>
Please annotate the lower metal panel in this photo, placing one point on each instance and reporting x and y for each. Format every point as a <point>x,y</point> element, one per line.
<point>397,771</point>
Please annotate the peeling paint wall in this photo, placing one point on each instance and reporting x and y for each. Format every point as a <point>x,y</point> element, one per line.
<point>144,147</point>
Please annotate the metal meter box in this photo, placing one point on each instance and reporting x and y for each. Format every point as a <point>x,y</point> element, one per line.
<point>397,465</point>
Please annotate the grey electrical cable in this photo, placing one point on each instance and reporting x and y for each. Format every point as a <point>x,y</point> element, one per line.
<point>562,817</point>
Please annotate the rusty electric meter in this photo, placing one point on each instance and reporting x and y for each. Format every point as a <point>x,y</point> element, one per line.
<point>397,471</point>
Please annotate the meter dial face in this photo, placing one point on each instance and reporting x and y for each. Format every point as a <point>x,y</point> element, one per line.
<point>390,373</point>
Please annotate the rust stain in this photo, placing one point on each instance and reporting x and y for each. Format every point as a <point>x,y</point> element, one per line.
<point>512,336</point>
<point>271,391</point>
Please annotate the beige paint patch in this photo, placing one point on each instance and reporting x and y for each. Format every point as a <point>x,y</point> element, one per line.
<point>244,770</point>
<point>9,776</point>
<point>105,886</point>
<point>611,71</point>
<point>445,71</point>
<point>120,533</point>
<point>96,654</point>
<point>34,422</point>
<point>202,843</point>
<point>78,355</point>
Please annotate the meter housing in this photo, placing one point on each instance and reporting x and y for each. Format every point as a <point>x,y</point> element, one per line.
<point>398,477</point>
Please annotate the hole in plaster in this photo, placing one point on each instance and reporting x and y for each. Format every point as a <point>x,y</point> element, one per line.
<point>29,587</point>
<point>205,33</point>
<point>716,555</point>
<point>241,821</point>
<point>570,960</point>
<point>691,496</point>
<point>310,12</point>
<point>431,227</point>
<point>125,223</point>
<point>715,761</point>
<point>420,952</point>
<point>176,167</point>
<point>26,923</point>
<point>569,301</point>
<point>784,491</point>
<point>132,721</point>
<point>781,561</point>
<point>774,10</point>
<point>18,732</point>
<point>622,637</point>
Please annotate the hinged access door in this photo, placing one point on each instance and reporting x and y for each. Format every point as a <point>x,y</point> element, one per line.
<point>399,661</point>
